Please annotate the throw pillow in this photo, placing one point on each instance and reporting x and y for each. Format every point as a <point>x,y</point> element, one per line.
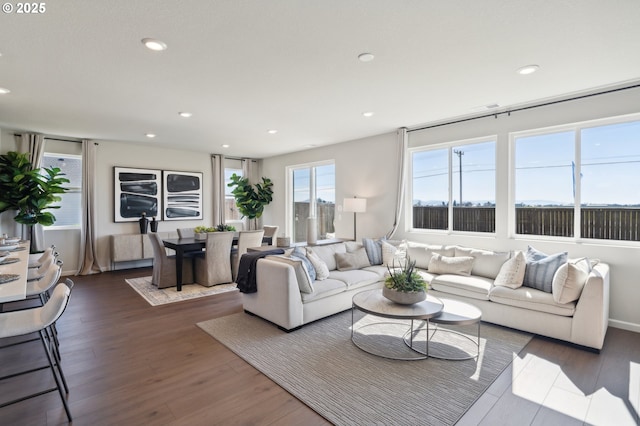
<point>393,255</point>
<point>355,260</point>
<point>541,268</point>
<point>299,253</point>
<point>512,272</point>
<point>352,246</point>
<point>322,270</point>
<point>569,280</point>
<point>374,250</point>
<point>305,285</point>
<point>440,264</point>
<point>422,253</point>
<point>487,263</point>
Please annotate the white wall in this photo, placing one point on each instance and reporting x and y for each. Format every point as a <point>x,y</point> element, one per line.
<point>364,167</point>
<point>111,154</point>
<point>367,167</point>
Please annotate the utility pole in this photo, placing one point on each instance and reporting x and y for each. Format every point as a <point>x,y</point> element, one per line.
<point>459,153</point>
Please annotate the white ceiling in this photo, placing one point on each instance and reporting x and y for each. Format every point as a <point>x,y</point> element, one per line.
<point>243,67</point>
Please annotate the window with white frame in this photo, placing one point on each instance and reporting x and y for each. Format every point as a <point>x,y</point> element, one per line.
<point>232,215</point>
<point>453,186</point>
<point>579,181</point>
<point>69,215</point>
<point>312,193</point>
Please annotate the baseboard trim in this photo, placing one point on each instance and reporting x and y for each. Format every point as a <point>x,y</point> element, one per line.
<point>624,325</point>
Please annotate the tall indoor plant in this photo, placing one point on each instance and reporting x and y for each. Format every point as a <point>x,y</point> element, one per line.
<point>251,199</point>
<point>30,192</point>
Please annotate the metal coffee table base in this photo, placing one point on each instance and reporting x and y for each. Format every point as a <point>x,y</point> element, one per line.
<point>378,350</point>
<point>431,331</point>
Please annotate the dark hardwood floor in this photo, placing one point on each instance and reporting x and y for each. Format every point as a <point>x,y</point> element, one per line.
<point>128,363</point>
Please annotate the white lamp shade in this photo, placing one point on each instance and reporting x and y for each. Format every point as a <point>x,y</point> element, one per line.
<point>355,205</point>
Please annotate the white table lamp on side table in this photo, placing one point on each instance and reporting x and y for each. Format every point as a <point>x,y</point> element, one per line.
<point>355,205</point>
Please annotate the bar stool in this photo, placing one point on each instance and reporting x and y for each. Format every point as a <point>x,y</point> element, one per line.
<point>38,320</point>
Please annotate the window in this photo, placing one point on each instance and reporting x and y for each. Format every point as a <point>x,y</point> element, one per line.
<point>453,188</point>
<point>231,214</point>
<point>69,215</point>
<point>312,192</point>
<point>579,182</point>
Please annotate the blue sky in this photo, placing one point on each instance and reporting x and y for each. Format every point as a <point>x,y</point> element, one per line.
<point>544,171</point>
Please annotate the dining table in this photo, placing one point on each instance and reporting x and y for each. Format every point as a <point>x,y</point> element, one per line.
<point>15,263</point>
<point>190,245</point>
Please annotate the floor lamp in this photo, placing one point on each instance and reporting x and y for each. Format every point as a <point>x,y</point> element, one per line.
<point>355,205</point>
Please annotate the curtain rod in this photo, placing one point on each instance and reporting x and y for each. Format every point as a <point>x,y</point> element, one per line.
<point>54,139</point>
<point>236,158</point>
<point>509,111</point>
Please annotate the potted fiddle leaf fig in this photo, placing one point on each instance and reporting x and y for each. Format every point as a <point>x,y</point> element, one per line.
<point>30,192</point>
<point>251,199</point>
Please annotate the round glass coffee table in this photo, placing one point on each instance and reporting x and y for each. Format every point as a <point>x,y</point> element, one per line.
<point>392,339</point>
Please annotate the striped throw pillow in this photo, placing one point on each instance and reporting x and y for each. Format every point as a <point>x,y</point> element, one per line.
<point>541,268</point>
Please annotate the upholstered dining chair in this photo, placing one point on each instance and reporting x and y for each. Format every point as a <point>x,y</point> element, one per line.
<point>38,320</point>
<point>186,233</point>
<point>37,259</point>
<point>215,267</point>
<point>164,267</point>
<point>271,231</point>
<point>246,239</point>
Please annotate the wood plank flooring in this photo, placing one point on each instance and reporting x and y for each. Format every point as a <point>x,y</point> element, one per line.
<point>128,363</point>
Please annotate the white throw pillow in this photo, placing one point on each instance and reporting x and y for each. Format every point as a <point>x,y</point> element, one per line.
<point>305,284</point>
<point>487,263</point>
<point>461,265</point>
<point>512,272</point>
<point>422,253</point>
<point>569,280</point>
<point>393,255</point>
<point>322,270</point>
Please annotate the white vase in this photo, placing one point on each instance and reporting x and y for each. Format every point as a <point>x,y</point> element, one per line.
<point>312,230</point>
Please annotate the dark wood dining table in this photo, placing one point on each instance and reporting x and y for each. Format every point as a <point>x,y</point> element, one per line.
<point>191,245</point>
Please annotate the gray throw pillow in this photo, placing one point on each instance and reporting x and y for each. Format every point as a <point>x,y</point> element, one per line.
<point>354,260</point>
<point>299,253</point>
<point>374,250</point>
<point>541,268</point>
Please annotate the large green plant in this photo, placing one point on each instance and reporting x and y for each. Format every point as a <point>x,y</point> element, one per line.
<point>251,199</point>
<point>29,191</point>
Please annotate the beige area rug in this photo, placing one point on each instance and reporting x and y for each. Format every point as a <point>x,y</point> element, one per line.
<point>320,365</point>
<point>162,296</point>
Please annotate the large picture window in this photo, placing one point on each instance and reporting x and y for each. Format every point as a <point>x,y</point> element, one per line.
<point>453,187</point>
<point>69,215</point>
<point>579,182</point>
<point>312,193</point>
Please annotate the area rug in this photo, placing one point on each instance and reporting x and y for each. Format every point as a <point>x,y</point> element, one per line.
<point>320,365</point>
<point>161,296</point>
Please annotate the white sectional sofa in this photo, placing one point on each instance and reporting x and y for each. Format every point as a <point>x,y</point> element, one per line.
<point>288,297</point>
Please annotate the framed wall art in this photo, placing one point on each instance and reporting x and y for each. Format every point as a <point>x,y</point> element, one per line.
<point>182,195</point>
<point>137,191</point>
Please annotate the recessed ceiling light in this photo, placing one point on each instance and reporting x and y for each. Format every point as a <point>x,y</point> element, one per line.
<point>150,135</point>
<point>368,114</point>
<point>154,44</point>
<point>529,69</point>
<point>272,131</point>
<point>310,145</point>
<point>4,91</point>
<point>225,146</point>
<point>366,57</point>
<point>185,114</point>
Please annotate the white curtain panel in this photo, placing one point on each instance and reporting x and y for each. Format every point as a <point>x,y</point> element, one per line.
<point>33,144</point>
<point>217,168</point>
<point>403,142</point>
<point>88,261</point>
